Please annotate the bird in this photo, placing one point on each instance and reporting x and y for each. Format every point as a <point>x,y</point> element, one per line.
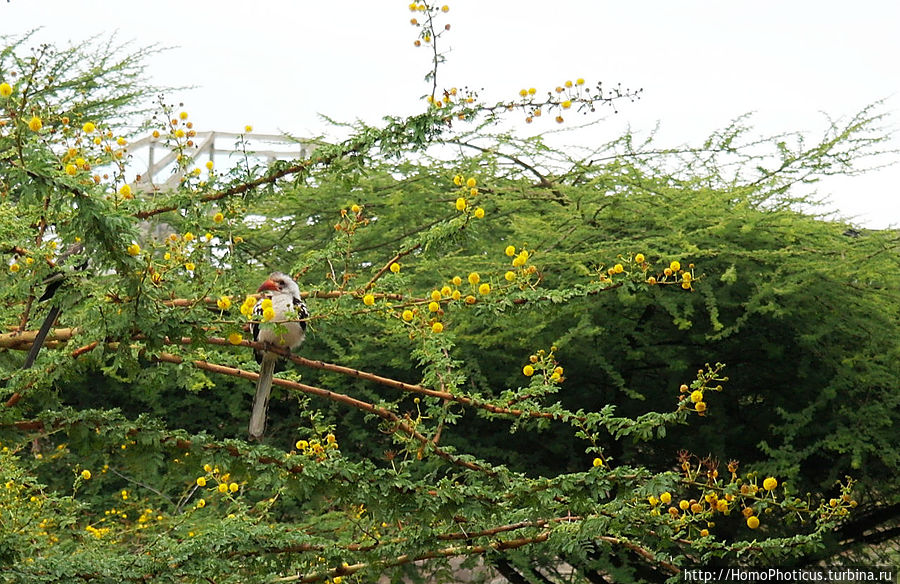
<point>289,312</point>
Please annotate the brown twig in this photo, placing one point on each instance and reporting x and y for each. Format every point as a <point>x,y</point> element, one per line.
<point>387,415</point>
<point>387,266</point>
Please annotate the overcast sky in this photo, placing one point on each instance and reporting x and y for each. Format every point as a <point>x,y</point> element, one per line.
<point>278,64</point>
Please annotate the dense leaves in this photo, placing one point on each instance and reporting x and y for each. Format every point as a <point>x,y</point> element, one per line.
<point>514,355</point>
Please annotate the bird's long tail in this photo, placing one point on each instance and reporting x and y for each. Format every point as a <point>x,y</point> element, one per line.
<point>261,399</point>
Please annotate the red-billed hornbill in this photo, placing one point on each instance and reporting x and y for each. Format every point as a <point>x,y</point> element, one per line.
<point>288,331</point>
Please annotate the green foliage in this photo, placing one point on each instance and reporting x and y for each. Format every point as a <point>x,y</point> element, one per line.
<point>529,384</point>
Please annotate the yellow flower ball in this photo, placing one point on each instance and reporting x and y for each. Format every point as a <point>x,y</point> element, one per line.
<point>618,268</point>
<point>71,169</point>
<point>444,8</point>
<point>700,406</point>
<point>189,266</point>
<point>474,278</point>
<point>224,302</point>
<point>235,338</point>
<point>218,218</point>
<point>209,165</point>
<point>5,90</point>
<point>456,295</point>
<point>579,81</point>
<point>479,213</point>
<point>301,445</point>
<point>675,266</point>
<point>456,281</point>
<point>222,488</point>
<point>528,371</point>
<point>86,475</point>
<point>437,328</point>
<point>268,314</point>
<point>395,267</point>
<point>461,204</point>
<point>183,115</point>
<point>134,249</point>
<point>484,289</point>
<point>697,396</point>
<point>14,267</point>
<point>369,300</point>
<point>666,497</point>
<point>566,104</point>
<point>201,503</point>
<point>125,191</point>
<point>510,250</point>
<point>35,124</point>
<point>770,483</point>
<point>247,306</point>
<point>510,276</point>
<point>189,237</point>
<point>471,299</point>
<point>445,291</point>
<point>458,180</point>
<point>233,487</point>
<point>248,128</point>
<point>436,295</point>
<point>568,84</point>
<point>598,462</point>
<point>88,128</point>
<point>753,522</point>
<point>407,315</point>
<point>201,481</point>
<point>355,208</point>
<point>433,306</point>
<point>471,183</point>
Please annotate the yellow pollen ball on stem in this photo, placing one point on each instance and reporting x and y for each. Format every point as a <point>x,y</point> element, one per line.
<point>235,338</point>
<point>528,371</point>
<point>369,300</point>
<point>770,483</point>
<point>474,278</point>
<point>437,328</point>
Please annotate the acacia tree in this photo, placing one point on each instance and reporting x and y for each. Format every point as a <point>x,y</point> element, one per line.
<point>513,355</point>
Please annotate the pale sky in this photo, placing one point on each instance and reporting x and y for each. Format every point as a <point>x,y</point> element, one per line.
<point>278,64</point>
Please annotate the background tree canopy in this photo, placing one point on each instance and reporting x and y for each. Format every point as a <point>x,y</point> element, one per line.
<point>599,366</point>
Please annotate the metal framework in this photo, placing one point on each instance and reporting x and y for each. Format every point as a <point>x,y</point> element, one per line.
<point>163,174</point>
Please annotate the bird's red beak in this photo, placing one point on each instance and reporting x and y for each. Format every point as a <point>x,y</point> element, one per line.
<point>268,285</point>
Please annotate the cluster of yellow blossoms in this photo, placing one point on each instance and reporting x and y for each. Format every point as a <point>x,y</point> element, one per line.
<point>316,449</point>
<point>427,27</point>
<point>545,364</point>
<point>468,191</point>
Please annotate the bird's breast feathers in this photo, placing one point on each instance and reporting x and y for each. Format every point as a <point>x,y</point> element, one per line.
<point>287,334</point>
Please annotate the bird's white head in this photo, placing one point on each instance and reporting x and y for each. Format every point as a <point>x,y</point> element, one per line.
<point>278,283</point>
